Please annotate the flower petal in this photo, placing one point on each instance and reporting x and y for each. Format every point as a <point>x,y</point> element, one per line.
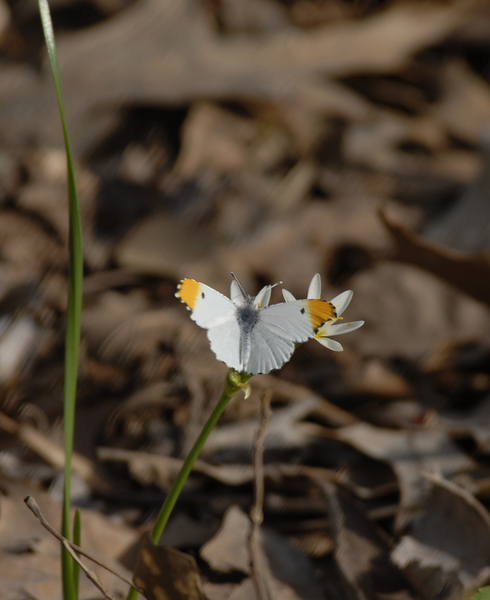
<point>315,289</point>
<point>339,328</point>
<point>236,294</point>
<point>342,301</point>
<point>330,344</point>
<point>263,298</point>
<point>288,296</point>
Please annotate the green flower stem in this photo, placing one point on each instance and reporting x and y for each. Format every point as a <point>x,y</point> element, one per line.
<point>233,384</point>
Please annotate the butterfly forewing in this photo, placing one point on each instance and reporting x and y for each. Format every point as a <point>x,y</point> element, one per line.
<point>208,307</point>
<point>298,320</point>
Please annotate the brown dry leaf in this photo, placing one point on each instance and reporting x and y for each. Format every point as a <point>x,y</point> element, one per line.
<point>184,532</point>
<point>285,429</point>
<point>51,451</point>
<point>465,105</point>
<point>219,591</point>
<point>103,315</point>
<point>227,551</point>
<point>475,423</point>
<point>447,550</point>
<point>161,471</point>
<point>468,272</point>
<point>30,557</point>
<point>44,195</point>
<point>251,16</point>
<point>409,453</point>
<point>5,18</point>
<point>213,138</point>
<point>374,377</point>
<point>292,393</point>
<point>286,570</point>
<point>27,250</point>
<point>164,573</point>
<point>20,340</point>
<point>362,553</point>
<point>164,245</point>
<point>299,243</point>
<point>151,469</point>
<point>141,334</point>
<point>463,226</point>
<point>183,58</point>
<point>378,144</point>
<point>408,312</point>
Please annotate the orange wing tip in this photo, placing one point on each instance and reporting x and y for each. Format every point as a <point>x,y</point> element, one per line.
<point>188,292</point>
<point>319,312</point>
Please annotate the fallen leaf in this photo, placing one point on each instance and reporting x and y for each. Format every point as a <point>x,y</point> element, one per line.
<point>164,245</point>
<point>286,570</point>
<point>164,573</point>
<point>464,225</point>
<point>465,102</point>
<point>408,452</point>
<point>408,313</point>
<point>30,556</point>
<point>468,272</point>
<point>361,552</point>
<point>285,429</point>
<point>448,544</point>
<point>167,69</point>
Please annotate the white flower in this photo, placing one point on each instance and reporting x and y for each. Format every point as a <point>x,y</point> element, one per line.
<point>341,302</point>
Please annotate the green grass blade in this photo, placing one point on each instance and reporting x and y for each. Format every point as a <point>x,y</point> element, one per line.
<point>75,282</point>
<point>77,539</point>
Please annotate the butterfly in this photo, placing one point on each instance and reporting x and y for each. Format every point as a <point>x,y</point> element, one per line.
<point>245,332</point>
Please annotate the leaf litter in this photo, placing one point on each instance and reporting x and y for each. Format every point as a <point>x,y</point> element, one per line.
<point>275,140</point>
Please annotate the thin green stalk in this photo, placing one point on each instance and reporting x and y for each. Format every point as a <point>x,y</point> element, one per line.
<point>233,384</point>
<point>75,282</point>
<point>77,539</point>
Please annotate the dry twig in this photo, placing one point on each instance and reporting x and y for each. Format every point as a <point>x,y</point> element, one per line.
<point>256,512</point>
<point>73,549</point>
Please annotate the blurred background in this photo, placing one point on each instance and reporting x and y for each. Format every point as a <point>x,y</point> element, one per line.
<point>274,139</point>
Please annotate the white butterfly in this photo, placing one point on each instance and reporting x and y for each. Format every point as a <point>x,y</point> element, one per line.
<point>245,332</point>
<point>331,327</point>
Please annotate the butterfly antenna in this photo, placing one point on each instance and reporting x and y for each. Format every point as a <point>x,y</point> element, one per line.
<point>245,295</point>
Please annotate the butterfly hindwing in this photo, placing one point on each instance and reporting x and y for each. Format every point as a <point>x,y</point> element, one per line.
<point>280,328</point>
<point>223,340</point>
<point>270,351</point>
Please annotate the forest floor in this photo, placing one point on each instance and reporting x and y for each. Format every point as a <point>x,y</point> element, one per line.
<point>275,140</point>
